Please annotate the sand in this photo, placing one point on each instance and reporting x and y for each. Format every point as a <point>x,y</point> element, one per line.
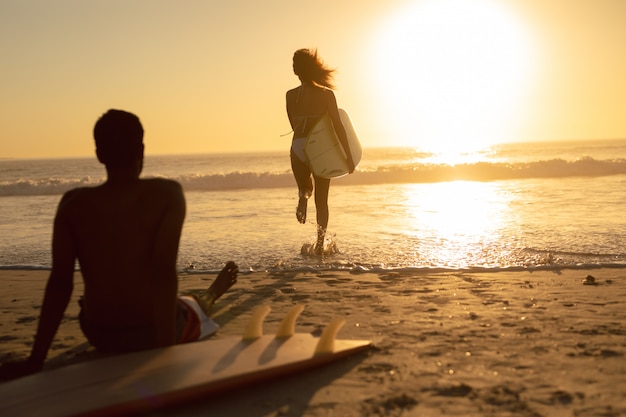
<point>516,343</point>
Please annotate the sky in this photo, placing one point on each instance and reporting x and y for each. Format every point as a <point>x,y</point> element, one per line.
<point>209,77</point>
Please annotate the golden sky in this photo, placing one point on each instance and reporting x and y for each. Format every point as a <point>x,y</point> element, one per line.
<point>206,76</point>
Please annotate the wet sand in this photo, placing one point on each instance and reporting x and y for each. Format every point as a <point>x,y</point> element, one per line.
<point>543,343</point>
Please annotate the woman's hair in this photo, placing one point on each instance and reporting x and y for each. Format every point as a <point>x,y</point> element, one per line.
<point>310,68</point>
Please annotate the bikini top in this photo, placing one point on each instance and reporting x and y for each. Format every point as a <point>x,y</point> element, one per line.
<point>302,122</point>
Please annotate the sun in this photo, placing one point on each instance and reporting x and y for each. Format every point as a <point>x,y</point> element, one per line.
<point>452,75</point>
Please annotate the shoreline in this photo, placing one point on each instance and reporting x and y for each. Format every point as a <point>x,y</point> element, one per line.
<point>358,269</point>
<point>524,343</point>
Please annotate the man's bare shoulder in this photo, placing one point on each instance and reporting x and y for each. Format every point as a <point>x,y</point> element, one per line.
<point>161,184</point>
<point>77,194</point>
<point>162,189</point>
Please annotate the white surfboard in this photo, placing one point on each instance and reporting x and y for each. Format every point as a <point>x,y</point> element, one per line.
<point>326,156</point>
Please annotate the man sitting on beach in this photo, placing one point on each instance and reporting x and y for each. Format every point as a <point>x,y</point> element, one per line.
<point>125,234</point>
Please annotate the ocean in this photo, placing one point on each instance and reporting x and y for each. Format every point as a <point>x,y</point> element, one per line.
<point>514,206</point>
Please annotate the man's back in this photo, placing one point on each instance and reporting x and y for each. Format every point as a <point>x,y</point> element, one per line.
<point>126,237</point>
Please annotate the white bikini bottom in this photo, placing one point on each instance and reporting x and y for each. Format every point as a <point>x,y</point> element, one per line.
<point>297,146</point>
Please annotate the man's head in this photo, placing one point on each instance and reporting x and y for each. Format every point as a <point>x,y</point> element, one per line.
<point>119,139</point>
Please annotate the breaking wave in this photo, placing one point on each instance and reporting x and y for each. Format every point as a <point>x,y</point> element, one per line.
<point>400,173</point>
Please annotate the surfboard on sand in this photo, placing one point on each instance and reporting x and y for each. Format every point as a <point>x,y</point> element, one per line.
<point>147,380</point>
<point>325,154</point>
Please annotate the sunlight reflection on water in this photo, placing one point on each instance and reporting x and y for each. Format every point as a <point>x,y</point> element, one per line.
<point>458,224</point>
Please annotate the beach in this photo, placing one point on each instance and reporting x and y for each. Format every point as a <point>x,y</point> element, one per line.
<point>505,343</point>
<point>490,287</point>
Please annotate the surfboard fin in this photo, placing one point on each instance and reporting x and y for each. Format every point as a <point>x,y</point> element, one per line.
<point>254,328</point>
<point>326,344</point>
<point>288,325</point>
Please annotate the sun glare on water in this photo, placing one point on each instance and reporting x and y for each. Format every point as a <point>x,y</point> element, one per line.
<point>465,216</point>
<point>453,75</point>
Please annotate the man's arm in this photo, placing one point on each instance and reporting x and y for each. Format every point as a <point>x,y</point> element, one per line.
<point>165,256</point>
<point>59,287</point>
<point>56,298</point>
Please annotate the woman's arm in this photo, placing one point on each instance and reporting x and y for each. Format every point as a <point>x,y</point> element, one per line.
<point>333,112</point>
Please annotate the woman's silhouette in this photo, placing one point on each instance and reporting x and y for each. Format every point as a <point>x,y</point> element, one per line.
<point>306,104</point>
